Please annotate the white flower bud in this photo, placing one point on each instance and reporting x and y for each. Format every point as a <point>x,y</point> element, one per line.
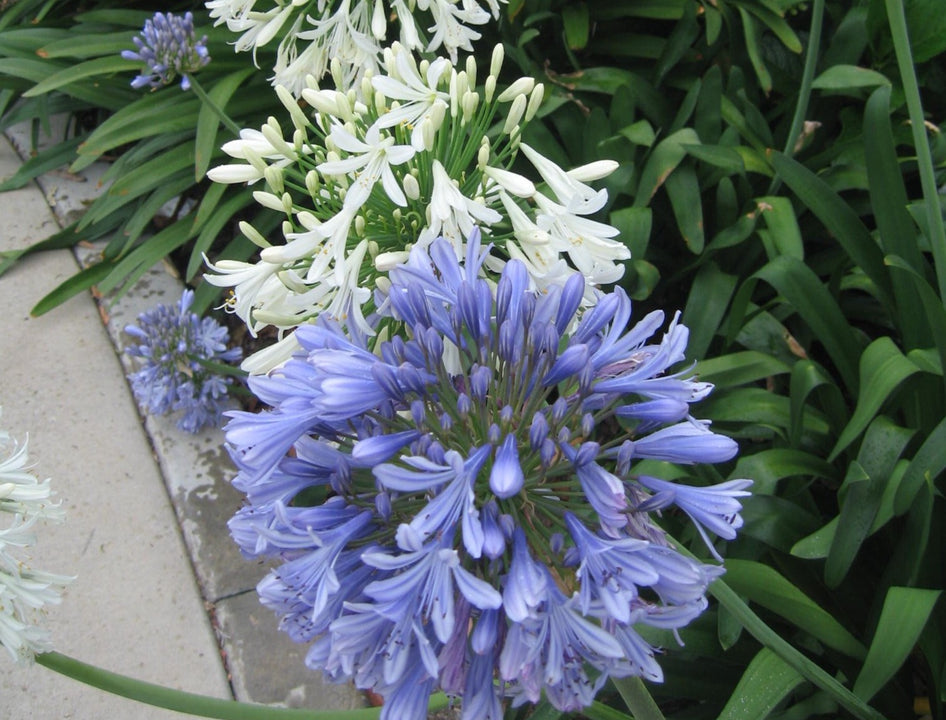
<point>372,249</point>
<point>471,69</point>
<point>385,262</point>
<point>482,157</point>
<point>287,203</point>
<point>380,102</point>
<point>397,214</point>
<point>312,183</point>
<point>299,139</point>
<point>273,134</point>
<point>428,133</point>
<point>253,235</point>
<point>322,100</point>
<point>438,112</point>
<point>490,88</point>
<point>338,74</point>
<point>379,24</point>
<point>411,188</point>
<point>384,285</point>
<point>299,119</point>
<point>522,86</point>
<point>496,62</point>
<point>463,84</point>
<point>516,111</point>
<point>360,225</point>
<point>470,101</point>
<point>593,170</point>
<point>535,100</point>
<point>367,89</point>
<point>268,200</point>
<point>274,178</point>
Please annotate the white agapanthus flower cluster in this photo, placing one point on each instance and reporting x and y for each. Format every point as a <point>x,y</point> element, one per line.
<point>419,151</point>
<point>313,32</point>
<point>24,591</point>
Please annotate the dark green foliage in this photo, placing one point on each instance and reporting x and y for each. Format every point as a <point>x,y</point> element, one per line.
<point>777,185</point>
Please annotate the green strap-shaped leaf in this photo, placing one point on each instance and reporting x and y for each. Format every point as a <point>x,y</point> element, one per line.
<point>779,216</point>
<point>837,216</point>
<point>818,544</point>
<point>766,681</point>
<point>753,36</point>
<point>883,444</point>
<point>903,618</point>
<point>51,158</point>
<point>766,468</point>
<point>767,587</point>
<point>721,156</point>
<point>882,368</point>
<point>807,295</point>
<point>662,161</point>
<point>205,144</point>
<point>846,77</point>
<point>82,280</point>
<point>927,464</point>
<point>90,68</point>
<point>210,229</point>
<point>737,368</point>
<point>176,110</point>
<point>83,45</point>
<point>575,22</point>
<point>683,189</point>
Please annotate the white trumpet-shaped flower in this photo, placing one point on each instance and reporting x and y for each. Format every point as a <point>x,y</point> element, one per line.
<point>24,591</point>
<point>368,178</point>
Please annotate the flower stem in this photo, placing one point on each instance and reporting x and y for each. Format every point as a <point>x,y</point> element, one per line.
<point>200,705</point>
<point>911,90</point>
<point>640,703</point>
<point>217,110</point>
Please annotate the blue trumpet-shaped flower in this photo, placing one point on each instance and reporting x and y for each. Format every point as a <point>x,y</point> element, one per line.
<point>176,348</point>
<point>170,48</point>
<point>460,507</point>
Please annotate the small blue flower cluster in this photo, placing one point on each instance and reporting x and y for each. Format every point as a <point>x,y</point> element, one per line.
<point>460,508</point>
<point>175,347</point>
<point>169,47</point>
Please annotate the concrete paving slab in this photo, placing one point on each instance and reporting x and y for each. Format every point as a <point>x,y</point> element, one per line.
<point>134,607</point>
<point>270,668</point>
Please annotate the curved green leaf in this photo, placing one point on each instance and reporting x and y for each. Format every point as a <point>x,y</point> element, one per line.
<point>766,468</point>
<point>738,368</point>
<point>767,680</point>
<point>883,444</point>
<point>663,160</point>
<point>205,144</point>
<point>903,618</point>
<point>82,280</point>
<point>767,587</point>
<point>818,544</point>
<point>927,464</point>
<point>805,293</point>
<point>683,189</point>
<point>70,75</point>
<point>847,77</point>
<point>882,368</point>
<point>837,216</point>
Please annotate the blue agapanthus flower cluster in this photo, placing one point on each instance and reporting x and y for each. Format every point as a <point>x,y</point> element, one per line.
<point>461,508</point>
<point>177,349</point>
<point>169,47</point>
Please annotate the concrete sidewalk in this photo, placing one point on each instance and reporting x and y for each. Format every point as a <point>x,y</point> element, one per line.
<point>161,593</point>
